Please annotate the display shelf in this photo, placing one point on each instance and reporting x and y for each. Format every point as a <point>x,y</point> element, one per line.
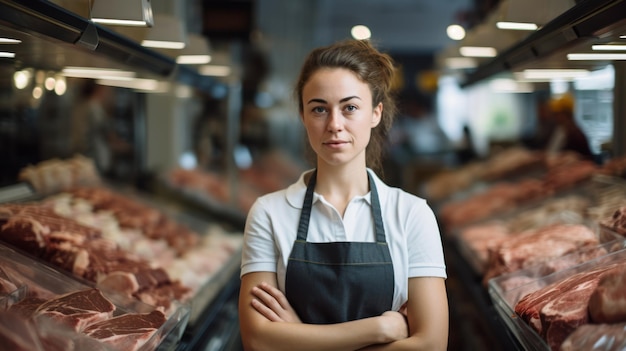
<point>218,326</point>
<point>474,321</point>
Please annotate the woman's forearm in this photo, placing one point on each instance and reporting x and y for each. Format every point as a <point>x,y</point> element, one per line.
<point>348,336</point>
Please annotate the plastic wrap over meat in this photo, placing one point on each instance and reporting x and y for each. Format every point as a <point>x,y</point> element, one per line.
<point>597,337</point>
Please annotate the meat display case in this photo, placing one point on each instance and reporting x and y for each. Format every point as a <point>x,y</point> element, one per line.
<point>211,317</point>
<point>506,298</point>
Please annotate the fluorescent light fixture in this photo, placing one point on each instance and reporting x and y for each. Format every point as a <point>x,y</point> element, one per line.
<point>134,13</point>
<point>5,54</point>
<point>148,85</point>
<point>215,70</point>
<point>622,36</point>
<point>478,51</point>
<point>162,44</point>
<point>550,74</point>
<point>455,32</point>
<point>168,32</point>
<point>506,85</point>
<point>608,47</point>
<point>460,62</point>
<point>96,73</point>
<point>193,59</point>
<point>517,26</point>
<point>9,41</point>
<point>597,56</point>
<point>196,52</point>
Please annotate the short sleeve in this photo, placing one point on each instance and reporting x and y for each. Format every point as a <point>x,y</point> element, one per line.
<point>259,249</point>
<point>424,245</point>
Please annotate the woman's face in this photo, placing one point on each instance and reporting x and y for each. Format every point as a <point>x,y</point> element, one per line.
<point>338,115</point>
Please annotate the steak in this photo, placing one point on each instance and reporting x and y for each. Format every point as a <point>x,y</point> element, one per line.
<point>538,246</point>
<point>18,333</point>
<point>128,332</point>
<point>77,309</point>
<point>608,302</point>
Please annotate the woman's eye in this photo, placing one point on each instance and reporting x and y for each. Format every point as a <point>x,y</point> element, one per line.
<point>319,109</point>
<point>351,108</point>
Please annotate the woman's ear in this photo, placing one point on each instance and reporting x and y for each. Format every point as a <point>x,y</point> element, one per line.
<point>377,114</point>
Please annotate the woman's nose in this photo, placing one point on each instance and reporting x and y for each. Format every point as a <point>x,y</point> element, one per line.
<point>335,121</point>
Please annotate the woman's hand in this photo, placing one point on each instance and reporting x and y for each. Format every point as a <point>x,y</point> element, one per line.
<point>394,326</point>
<point>272,303</point>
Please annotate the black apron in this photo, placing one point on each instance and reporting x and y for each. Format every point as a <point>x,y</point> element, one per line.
<point>337,282</point>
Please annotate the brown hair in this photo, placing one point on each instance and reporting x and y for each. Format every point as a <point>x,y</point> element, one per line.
<point>372,67</point>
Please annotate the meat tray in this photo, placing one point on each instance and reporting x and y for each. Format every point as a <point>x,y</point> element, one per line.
<point>566,209</point>
<point>505,296</point>
<point>35,276</point>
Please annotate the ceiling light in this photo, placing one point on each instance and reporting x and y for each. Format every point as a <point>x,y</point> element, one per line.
<point>478,51</point>
<point>592,57</point>
<point>517,26</point>
<point>215,70</point>
<point>196,52</point>
<point>608,47</point>
<point>506,85</point>
<point>455,32</point>
<point>134,13</point>
<point>60,87</point>
<point>21,79</point>
<point>5,54</point>
<point>148,85</point>
<point>96,73</point>
<point>168,32</point>
<point>360,32</point>
<point>9,41</point>
<point>549,74</point>
<point>460,62</point>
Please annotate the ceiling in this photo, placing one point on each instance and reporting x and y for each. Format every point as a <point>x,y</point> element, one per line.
<point>416,26</point>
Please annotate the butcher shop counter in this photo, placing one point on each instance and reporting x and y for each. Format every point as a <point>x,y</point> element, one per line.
<point>215,258</point>
<point>474,321</point>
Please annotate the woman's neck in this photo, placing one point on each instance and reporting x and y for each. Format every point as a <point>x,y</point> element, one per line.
<point>339,185</point>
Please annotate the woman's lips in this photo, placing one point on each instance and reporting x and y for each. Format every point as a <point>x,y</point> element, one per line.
<point>335,143</point>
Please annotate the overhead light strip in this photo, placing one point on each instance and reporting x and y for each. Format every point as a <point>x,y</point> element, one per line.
<point>120,22</point>
<point>9,41</point>
<point>517,26</point>
<point>478,51</point>
<point>596,57</point>
<point>95,73</point>
<point>163,44</point>
<point>549,74</point>
<point>5,54</point>
<point>608,47</point>
<point>193,59</point>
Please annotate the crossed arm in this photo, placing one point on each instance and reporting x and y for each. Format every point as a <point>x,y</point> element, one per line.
<point>268,322</point>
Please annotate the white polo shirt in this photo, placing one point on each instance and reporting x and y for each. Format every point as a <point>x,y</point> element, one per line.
<point>411,231</point>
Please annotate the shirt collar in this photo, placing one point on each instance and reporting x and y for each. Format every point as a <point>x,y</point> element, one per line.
<point>295,192</point>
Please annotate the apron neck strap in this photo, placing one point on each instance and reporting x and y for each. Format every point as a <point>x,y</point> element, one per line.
<point>305,215</point>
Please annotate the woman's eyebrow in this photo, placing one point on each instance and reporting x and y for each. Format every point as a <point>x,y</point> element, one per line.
<point>342,100</point>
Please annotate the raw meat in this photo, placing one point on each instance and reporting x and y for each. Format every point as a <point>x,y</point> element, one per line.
<point>596,337</point>
<point>538,246</point>
<point>608,302</point>
<point>127,332</point>
<point>77,309</point>
<point>18,333</point>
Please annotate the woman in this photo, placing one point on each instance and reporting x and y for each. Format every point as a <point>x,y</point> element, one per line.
<point>339,260</point>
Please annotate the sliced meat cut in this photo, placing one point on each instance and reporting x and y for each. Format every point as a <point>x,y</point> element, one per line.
<point>127,332</point>
<point>608,302</point>
<point>77,309</point>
